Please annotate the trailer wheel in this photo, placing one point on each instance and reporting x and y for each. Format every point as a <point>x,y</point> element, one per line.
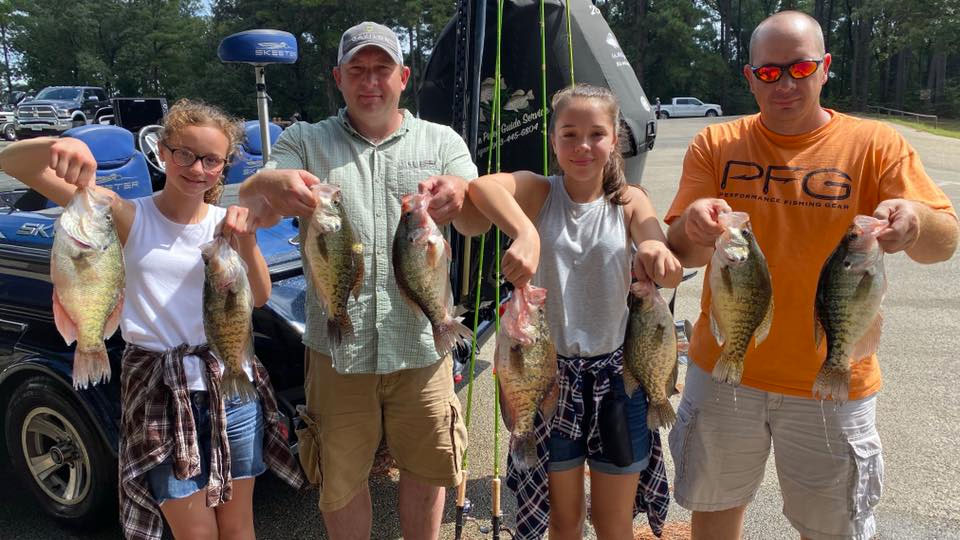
<point>58,455</point>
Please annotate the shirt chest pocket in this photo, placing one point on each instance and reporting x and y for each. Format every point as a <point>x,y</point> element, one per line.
<point>410,173</point>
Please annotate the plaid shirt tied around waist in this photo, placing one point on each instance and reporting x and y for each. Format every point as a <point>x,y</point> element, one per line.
<point>531,486</point>
<point>157,423</point>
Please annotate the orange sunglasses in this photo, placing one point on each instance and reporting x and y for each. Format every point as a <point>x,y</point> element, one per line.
<point>771,73</point>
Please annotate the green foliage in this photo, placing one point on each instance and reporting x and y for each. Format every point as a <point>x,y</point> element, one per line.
<point>886,52</point>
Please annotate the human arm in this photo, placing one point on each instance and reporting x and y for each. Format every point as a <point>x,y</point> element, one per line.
<point>449,203</point>
<point>691,237</point>
<point>233,229</point>
<point>271,194</point>
<point>55,167</point>
<point>509,200</point>
<point>653,259</point>
<point>926,235</point>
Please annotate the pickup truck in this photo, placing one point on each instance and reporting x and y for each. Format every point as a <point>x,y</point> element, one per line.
<point>688,106</point>
<point>56,109</point>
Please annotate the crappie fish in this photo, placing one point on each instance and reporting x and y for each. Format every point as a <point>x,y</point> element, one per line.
<point>86,267</point>
<point>650,352</point>
<point>228,315</point>
<point>847,308</point>
<point>741,307</point>
<point>334,257</point>
<point>526,368</point>
<point>420,257</point>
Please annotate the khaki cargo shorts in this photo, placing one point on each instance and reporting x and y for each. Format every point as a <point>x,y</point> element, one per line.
<point>829,460</point>
<point>347,415</point>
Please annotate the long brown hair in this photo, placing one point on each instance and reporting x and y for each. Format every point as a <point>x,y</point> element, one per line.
<point>614,179</point>
<point>186,113</point>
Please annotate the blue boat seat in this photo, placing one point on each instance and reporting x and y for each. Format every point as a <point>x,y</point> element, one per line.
<point>120,166</point>
<point>259,47</point>
<point>249,156</point>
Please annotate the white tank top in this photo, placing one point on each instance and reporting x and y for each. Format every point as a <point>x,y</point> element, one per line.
<point>585,266</point>
<point>163,297</point>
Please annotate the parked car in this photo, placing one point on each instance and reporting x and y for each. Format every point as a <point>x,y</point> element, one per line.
<point>62,442</point>
<point>56,109</point>
<point>688,106</point>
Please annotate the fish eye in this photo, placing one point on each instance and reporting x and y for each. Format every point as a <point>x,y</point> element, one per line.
<point>852,236</point>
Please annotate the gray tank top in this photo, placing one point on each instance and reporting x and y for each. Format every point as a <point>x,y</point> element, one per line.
<point>585,261</point>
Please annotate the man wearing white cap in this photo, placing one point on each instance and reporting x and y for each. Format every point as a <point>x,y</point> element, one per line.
<point>387,379</point>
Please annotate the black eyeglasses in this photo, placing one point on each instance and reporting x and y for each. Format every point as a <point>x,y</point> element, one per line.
<point>771,73</point>
<point>211,163</point>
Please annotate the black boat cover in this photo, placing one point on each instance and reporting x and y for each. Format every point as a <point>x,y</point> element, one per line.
<point>597,59</point>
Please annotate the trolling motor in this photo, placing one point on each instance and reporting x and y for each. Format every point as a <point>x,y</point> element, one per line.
<point>260,48</point>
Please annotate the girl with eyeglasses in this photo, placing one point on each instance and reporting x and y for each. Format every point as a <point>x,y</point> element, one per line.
<point>186,452</point>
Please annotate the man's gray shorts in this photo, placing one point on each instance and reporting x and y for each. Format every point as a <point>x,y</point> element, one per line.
<point>828,459</point>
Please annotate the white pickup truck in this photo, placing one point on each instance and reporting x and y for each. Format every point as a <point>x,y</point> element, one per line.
<point>688,106</point>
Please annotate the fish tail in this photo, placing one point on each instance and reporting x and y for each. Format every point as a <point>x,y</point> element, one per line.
<point>727,370</point>
<point>523,449</point>
<point>90,366</point>
<point>832,383</point>
<point>660,415</point>
<point>339,326</point>
<point>448,333</point>
<point>235,384</point>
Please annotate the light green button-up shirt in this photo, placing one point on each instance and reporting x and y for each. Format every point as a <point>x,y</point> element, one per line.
<point>389,333</point>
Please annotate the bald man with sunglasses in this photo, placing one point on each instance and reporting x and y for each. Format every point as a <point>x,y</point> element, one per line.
<point>802,172</point>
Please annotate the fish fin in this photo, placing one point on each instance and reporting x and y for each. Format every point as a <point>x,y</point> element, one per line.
<point>322,246</point>
<point>715,327</point>
<point>630,383</point>
<point>763,330</point>
<point>832,383</point>
<point>672,389</point>
<point>448,333</point>
<point>506,409</point>
<point>660,415</point>
<point>727,371</point>
<point>113,321</point>
<point>358,271</point>
<point>869,341</point>
<point>65,325</point>
<point>549,404</point>
<point>435,251</point>
<point>818,331</point>
<point>90,366</point>
<point>237,385</point>
<point>523,450</point>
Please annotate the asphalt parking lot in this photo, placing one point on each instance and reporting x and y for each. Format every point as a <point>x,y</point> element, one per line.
<point>918,413</point>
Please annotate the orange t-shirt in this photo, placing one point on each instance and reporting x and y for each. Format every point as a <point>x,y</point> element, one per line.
<point>802,193</point>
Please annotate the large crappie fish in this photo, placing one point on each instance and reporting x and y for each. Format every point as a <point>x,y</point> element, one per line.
<point>741,306</point>
<point>420,264</point>
<point>334,257</point>
<point>650,352</point>
<point>228,315</point>
<point>526,366</point>
<point>86,267</point>
<point>847,308</point>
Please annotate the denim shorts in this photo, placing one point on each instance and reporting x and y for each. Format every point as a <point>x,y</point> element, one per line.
<point>566,454</point>
<point>245,434</point>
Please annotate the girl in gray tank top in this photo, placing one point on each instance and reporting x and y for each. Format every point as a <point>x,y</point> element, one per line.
<point>578,235</point>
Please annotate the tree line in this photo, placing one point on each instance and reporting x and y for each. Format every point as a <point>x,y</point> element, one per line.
<point>897,53</point>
